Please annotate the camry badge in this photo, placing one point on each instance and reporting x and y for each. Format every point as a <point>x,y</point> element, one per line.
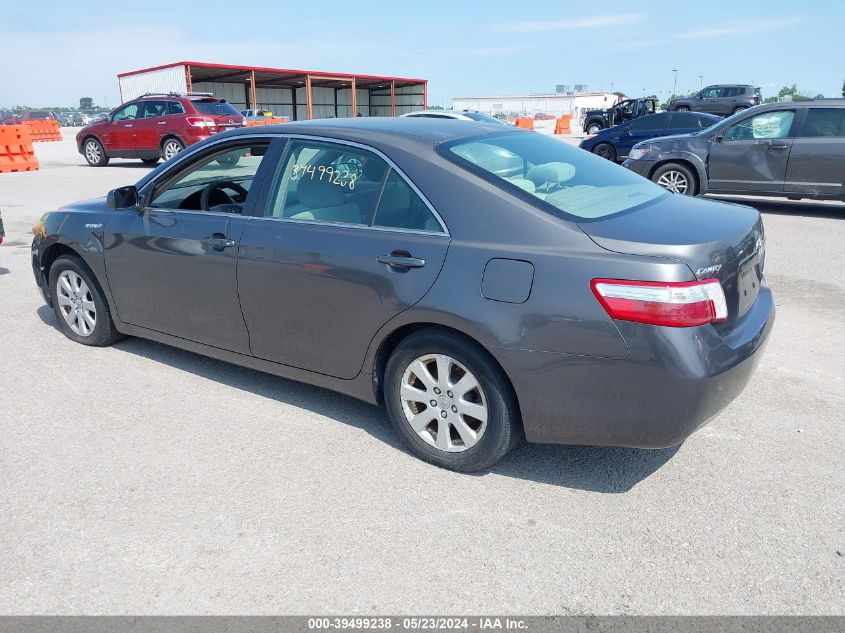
<point>708,270</point>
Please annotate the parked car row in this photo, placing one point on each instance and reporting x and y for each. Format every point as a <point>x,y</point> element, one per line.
<point>156,126</point>
<point>793,149</point>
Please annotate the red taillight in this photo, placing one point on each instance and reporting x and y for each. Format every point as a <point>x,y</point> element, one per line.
<point>671,303</point>
<point>200,121</point>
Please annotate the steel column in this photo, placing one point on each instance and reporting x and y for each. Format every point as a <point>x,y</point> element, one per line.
<point>309,102</point>
<point>392,97</point>
<point>252,92</point>
<point>354,100</point>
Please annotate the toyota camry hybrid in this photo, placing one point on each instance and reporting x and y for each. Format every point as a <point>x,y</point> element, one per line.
<point>484,283</point>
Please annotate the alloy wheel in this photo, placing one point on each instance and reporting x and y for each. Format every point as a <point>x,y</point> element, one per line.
<point>444,403</point>
<point>92,151</point>
<point>76,303</point>
<point>674,181</point>
<point>171,148</point>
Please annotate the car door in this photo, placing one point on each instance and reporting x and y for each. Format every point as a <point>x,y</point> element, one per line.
<point>640,130</point>
<point>817,160</point>
<point>752,155</point>
<point>345,243</point>
<point>172,264</point>
<point>119,135</point>
<point>709,101</point>
<point>149,125</point>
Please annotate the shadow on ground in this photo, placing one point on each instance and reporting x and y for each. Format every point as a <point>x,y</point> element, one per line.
<point>592,468</point>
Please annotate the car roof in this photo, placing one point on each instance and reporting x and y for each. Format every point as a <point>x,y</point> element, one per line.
<point>382,129</point>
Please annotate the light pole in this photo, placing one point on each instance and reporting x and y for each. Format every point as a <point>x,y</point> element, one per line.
<point>700,82</point>
<point>675,84</point>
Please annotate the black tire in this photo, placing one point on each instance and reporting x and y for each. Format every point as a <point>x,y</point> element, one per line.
<point>503,429</point>
<point>678,169</point>
<point>682,109</point>
<point>94,152</point>
<point>739,109</point>
<point>167,144</point>
<point>150,161</point>
<point>104,332</point>
<point>605,150</point>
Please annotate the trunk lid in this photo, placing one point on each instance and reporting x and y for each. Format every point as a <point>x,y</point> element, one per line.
<point>717,240</point>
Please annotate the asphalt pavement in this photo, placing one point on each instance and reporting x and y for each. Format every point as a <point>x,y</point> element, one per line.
<point>141,479</point>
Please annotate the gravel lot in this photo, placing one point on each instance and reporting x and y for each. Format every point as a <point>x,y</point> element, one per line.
<point>141,479</point>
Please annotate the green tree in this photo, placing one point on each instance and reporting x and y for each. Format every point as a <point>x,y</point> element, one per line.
<point>86,103</point>
<point>843,88</point>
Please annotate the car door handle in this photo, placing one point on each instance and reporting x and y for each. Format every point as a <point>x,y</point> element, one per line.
<point>395,260</point>
<point>127,125</point>
<point>162,122</point>
<point>778,148</point>
<point>217,242</point>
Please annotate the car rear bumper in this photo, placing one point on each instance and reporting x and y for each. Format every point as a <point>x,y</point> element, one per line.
<point>641,167</point>
<point>672,383</point>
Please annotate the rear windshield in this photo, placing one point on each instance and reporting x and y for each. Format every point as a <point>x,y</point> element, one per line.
<point>215,107</point>
<point>559,177</point>
<point>475,116</point>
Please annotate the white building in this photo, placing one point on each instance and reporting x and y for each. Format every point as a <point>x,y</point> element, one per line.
<point>556,104</point>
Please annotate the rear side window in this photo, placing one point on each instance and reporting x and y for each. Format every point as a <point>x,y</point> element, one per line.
<point>219,108</point>
<point>174,107</point>
<point>824,122</point>
<point>400,207</point>
<point>687,120</point>
<point>154,109</point>
<point>334,183</point>
<point>653,122</point>
<point>557,177</point>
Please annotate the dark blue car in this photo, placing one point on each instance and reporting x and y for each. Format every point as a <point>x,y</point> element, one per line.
<point>614,143</point>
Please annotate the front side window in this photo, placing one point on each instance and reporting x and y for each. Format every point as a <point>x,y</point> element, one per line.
<point>219,181</point>
<point>328,182</point>
<point>765,125</point>
<point>711,93</point>
<point>559,178</point>
<point>824,122</point>
<point>127,113</point>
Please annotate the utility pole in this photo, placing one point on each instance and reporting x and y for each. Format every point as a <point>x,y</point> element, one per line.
<point>675,84</point>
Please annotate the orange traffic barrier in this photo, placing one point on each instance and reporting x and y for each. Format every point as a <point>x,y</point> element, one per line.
<point>525,122</point>
<point>44,130</point>
<point>16,152</point>
<point>268,121</point>
<point>562,126</point>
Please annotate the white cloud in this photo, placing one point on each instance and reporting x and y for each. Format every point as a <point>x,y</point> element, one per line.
<point>747,28</point>
<point>597,22</point>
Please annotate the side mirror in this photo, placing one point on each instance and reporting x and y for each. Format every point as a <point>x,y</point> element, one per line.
<point>123,198</point>
<point>718,138</point>
<point>626,130</point>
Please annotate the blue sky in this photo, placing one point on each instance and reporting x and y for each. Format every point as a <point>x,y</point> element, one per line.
<point>53,56</point>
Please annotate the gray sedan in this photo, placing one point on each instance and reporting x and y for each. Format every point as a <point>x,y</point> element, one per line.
<point>484,283</point>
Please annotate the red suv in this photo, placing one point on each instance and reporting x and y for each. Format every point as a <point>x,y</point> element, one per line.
<point>156,126</point>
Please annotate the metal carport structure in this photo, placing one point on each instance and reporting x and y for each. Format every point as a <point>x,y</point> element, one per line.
<point>295,94</point>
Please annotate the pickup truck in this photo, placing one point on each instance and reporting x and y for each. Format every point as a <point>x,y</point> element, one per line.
<point>627,110</point>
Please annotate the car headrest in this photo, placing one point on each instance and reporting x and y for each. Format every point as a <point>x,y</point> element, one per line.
<point>373,170</point>
<point>555,172</point>
<point>318,194</point>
